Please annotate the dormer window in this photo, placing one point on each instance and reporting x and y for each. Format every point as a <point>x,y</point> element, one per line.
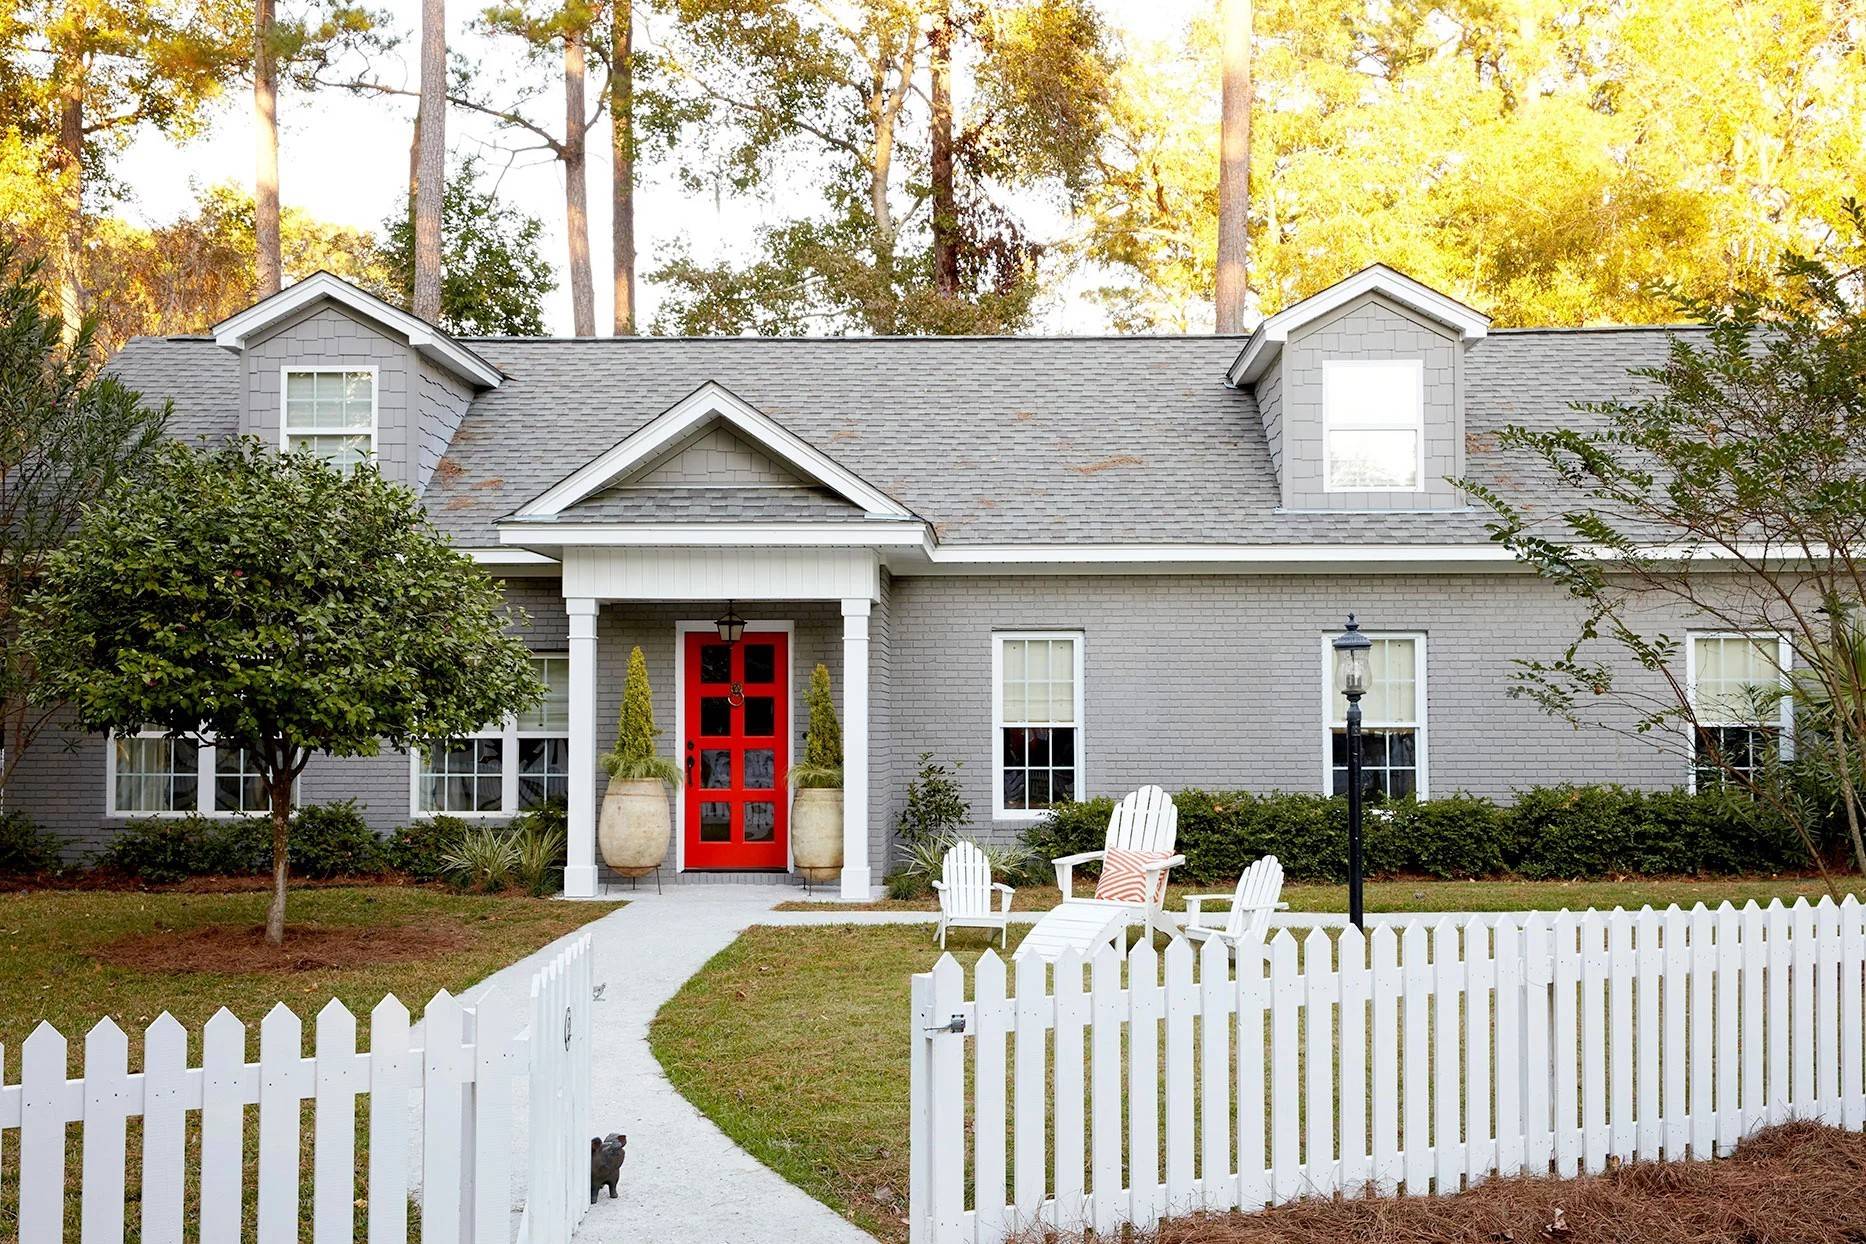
<point>331,412</point>
<point>1373,428</point>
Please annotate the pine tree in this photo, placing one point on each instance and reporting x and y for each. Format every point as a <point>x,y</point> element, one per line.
<point>822,741</point>
<point>632,759</point>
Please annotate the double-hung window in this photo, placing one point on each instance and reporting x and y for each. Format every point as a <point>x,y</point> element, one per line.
<point>1736,683</point>
<point>1393,764</point>
<point>330,411</point>
<point>507,768</point>
<point>1373,429</point>
<point>152,773</point>
<point>1036,721</point>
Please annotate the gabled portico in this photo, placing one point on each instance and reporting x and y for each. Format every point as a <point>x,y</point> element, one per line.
<point>709,503</point>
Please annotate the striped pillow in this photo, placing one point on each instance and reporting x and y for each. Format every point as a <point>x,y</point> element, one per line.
<point>1122,878</point>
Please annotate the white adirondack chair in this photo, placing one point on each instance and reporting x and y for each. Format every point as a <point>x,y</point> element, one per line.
<point>1144,821</point>
<point>1251,905</point>
<point>965,890</point>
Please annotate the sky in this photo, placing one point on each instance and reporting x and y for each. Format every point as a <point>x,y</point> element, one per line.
<point>344,159</point>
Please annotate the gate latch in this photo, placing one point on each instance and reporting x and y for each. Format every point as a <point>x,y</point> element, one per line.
<point>956,1025</point>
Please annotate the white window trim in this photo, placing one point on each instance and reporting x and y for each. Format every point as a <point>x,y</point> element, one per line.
<point>1332,698</point>
<point>375,401</point>
<point>1784,660</point>
<point>1331,424</point>
<point>509,734</point>
<point>206,749</point>
<point>1027,815</point>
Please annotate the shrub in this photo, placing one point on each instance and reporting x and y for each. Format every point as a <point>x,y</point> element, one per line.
<point>1008,861</point>
<point>25,848</point>
<point>542,839</point>
<point>171,848</point>
<point>420,849</point>
<point>483,859</point>
<point>935,808</point>
<point>633,759</point>
<point>333,840</point>
<point>822,741</point>
<point>906,886</point>
<point>1548,833</point>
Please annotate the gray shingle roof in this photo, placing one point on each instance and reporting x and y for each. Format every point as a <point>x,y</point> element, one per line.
<point>994,440</point>
<point>712,505</point>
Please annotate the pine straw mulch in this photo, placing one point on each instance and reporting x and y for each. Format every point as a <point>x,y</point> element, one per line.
<point>1800,1183</point>
<point>307,948</point>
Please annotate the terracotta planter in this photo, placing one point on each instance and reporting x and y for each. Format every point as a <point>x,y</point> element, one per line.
<point>816,833</point>
<point>635,826</point>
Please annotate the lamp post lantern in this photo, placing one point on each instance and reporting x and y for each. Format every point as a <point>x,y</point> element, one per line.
<point>1352,678</point>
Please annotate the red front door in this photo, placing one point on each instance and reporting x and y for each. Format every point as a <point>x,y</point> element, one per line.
<point>737,750</point>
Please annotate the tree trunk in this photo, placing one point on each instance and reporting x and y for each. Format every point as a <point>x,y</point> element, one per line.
<point>430,161</point>
<point>71,189</point>
<point>279,791</point>
<point>945,209</point>
<point>1234,166</point>
<point>622,144</point>
<point>266,139</point>
<point>576,192</point>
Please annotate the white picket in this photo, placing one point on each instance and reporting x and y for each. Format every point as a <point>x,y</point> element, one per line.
<point>1778,1007</point>
<point>1672,1059</point>
<point>1754,1019</point>
<point>1852,955</point>
<point>223,1125</point>
<point>1447,1022</point>
<point>1538,958</point>
<point>921,1152</point>
<point>1217,1190</point>
<point>491,1125</point>
<point>946,1064</point>
<point>1415,1113</point>
<point>1069,1153</point>
<point>1181,1003</point>
<point>1253,1189</point>
<point>281,1045</point>
<point>1563,1042</point>
<point>391,1073</point>
<point>1728,1044</point>
<point>165,1116</point>
<point>333,1152</point>
<point>1286,1182</point>
<point>1595,966</point>
<point>1801,1024</point>
<point>441,1076</point>
<point>1509,1036</point>
<point>1351,951</point>
<point>1147,1004</point>
<point>106,1091</point>
<point>991,1022</point>
<point>1480,1150</point>
<point>44,1111</point>
<point>1827,1013</point>
<point>1620,1030</point>
<point>1648,1008</point>
<point>1107,1008</point>
<point>1384,1052</point>
<point>1028,1132</point>
<point>1701,1023</point>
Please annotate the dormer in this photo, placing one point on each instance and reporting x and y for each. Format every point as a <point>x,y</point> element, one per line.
<point>1361,390</point>
<point>329,367</point>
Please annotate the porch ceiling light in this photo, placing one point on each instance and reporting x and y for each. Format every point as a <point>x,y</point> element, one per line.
<point>731,625</point>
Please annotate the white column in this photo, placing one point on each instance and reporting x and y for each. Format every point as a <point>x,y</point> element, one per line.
<point>855,878</point>
<point>580,868</point>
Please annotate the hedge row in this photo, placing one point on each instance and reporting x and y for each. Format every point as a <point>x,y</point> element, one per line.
<point>1548,833</point>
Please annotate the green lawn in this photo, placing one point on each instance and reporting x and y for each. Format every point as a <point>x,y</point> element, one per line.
<point>1509,895</point>
<point>48,972</point>
<point>794,1040</point>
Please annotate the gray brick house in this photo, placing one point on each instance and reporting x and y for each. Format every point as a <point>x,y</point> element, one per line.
<point>1072,565</point>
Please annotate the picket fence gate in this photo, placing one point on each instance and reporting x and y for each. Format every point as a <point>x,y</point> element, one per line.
<point>1416,1058</point>
<point>465,1068</point>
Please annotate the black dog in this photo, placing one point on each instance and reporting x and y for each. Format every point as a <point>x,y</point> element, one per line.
<point>607,1153</point>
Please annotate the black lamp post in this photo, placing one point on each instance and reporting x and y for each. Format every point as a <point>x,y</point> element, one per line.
<point>1352,678</point>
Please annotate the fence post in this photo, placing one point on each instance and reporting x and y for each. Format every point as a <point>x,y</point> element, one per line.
<point>469,1111</point>
<point>919,1141</point>
<point>946,1106</point>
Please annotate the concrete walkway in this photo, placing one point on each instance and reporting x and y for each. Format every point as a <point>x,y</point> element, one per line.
<point>685,1182</point>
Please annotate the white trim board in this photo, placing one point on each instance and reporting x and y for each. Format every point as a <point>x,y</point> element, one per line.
<point>1267,341</point>
<point>681,630</point>
<point>372,370</point>
<point>1027,816</point>
<point>232,333</point>
<point>710,401</point>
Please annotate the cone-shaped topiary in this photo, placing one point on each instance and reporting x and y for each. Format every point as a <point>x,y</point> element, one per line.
<point>822,742</point>
<point>632,758</point>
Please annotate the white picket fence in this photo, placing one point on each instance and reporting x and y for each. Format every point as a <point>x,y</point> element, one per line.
<point>465,1069</point>
<point>1422,1058</point>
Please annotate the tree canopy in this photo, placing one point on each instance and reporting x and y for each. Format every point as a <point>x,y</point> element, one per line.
<point>494,277</point>
<point>278,604</point>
